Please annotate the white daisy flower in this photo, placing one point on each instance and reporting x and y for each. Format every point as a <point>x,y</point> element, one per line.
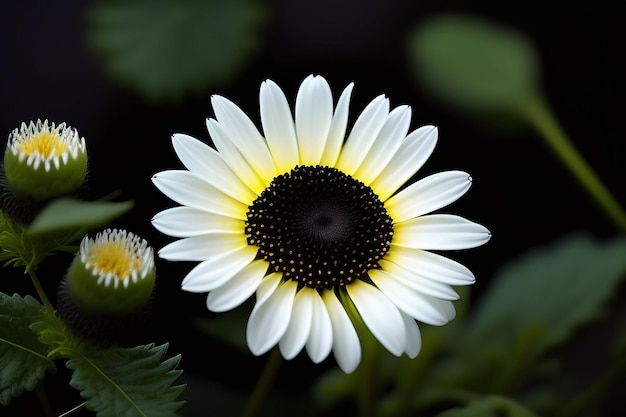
<point>310,219</point>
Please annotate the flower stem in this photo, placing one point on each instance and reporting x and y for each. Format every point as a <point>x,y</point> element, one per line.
<point>73,410</point>
<point>264,384</point>
<point>40,291</point>
<point>538,113</point>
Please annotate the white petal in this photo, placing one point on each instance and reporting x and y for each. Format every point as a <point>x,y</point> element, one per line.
<point>346,345</point>
<point>268,286</point>
<point>314,112</point>
<point>297,332</point>
<point>234,158</point>
<point>240,129</point>
<point>430,265</point>
<point>337,130</point>
<point>215,271</point>
<point>185,221</point>
<point>200,248</point>
<point>187,189</point>
<point>439,232</point>
<point>207,163</point>
<point>387,143</point>
<point>428,194</point>
<point>380,315</point>
<point>413,337</point>
<point>269,319</point>
<point>363,134</point>
<point>238,289</point>
<point>421,307</point>
<point>412,279</point>
<point>414,150</point>
<point>320,340</point>
<point>278,126</point>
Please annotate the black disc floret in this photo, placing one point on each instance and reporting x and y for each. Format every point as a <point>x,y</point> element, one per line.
<point>319,227</point>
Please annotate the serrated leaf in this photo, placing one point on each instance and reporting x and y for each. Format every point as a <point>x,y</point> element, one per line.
<point>69,213</point>
<point>557,289</point>
<point>23,360</point>
<point>164,50</point>
<point>473,64</point>
<point>128,382</point>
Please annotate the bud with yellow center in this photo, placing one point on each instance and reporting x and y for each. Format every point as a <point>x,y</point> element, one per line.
<point>43,161</point>
<point>108,287</point>
<point>112,274</point>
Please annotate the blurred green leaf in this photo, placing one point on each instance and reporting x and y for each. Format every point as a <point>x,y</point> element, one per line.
<point>68,213</point>
<point>228,327</point>
<point>164,49</point>
<point>128,382</point>
<point>490,406</point>
<point>473,64</point>
<point>556,289</point>
<point>23,360</point>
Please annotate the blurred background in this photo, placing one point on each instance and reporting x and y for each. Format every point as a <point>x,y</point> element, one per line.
<point>118,73</point>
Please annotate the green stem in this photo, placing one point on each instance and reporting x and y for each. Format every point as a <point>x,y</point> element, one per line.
<point>40,291</point>
<point>540,116</point>
<point>367,377</point>
<point>44,400</point>
<point>264,384</point>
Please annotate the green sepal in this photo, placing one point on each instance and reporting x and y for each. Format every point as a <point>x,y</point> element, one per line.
<point>38,183</point>
<point>97,298</point>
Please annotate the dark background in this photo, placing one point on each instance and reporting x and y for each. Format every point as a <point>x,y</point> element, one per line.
<point>520,191</point>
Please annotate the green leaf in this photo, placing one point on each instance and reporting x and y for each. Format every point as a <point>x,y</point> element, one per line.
<point>473,64</point>
<point>490,406</point>
<point>23,359</point>
<point>20,249</point>
<point>69,213</point>
<point>125,382</point>
<point>557,289</point>
<point>164,50</point>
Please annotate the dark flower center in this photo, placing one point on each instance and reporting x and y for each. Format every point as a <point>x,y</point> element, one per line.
<point>319,227</point>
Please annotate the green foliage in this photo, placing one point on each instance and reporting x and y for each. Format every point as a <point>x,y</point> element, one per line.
<point>490,406</point>
<point>18,249</point>
<point>23,360</point>
<point>164,50</point>
<point>532,308</point>
<point>553,290</point>
<point>473,64</point>
<point>116,381</point>
<point>69,213</point>
<point>128,382</point>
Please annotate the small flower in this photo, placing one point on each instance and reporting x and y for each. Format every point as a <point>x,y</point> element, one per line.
<point>110,279</point>
<point>43,161</point>
<point>313,222</point>
<point>113,273</point>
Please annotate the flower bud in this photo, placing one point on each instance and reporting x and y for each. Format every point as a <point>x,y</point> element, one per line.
<point>108,286</point>
<point>43,161</point>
